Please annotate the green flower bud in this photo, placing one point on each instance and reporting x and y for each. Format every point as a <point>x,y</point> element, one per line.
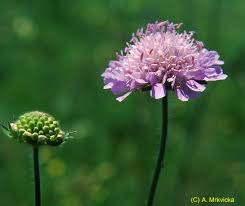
<point>41,132</point>
<point>35,136</point>
<point>41,138</point>
<point>51,132</point>
<point>45,128</point>
<point>37,128</point>
<point>21,131</point>
<point>52,126</point>
<point>57,130</point>
<point>29,130</point>
<point>23,121</point>
<point>39,125</point>
<point>31,124</point>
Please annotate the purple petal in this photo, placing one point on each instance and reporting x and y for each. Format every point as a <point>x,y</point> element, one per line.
<point>209,58</point>
<point>137,83</point>
<point>195,86</point>
<point>121,98</point>
<point>119,87</point>
<point>141,81</point>
<point>195,74</point>
<point>139,75</point>
<point>214,73</point>
<point>151,78</point>
<point>181,95</point>
<point>108,86</point>
<point>184,93</point>
<point>158,91</point>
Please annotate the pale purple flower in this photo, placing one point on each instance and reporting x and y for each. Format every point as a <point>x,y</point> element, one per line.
<point>160,59</point>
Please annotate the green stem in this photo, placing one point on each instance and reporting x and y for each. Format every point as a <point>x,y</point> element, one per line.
<point>36,176</point>
<point>160,160</point>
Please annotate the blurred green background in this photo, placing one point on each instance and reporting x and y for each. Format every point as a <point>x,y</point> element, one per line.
<point>52,54</point>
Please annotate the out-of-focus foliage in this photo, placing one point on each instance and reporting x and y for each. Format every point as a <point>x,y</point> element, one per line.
<point>52,54</point>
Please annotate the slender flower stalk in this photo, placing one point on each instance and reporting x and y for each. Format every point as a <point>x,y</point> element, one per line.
<point>37,129</point>
<point>160,160</point>
<point>36,176</point>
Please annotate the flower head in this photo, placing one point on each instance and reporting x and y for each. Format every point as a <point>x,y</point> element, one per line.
<point>160,59</point>
<point>37,128</point>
